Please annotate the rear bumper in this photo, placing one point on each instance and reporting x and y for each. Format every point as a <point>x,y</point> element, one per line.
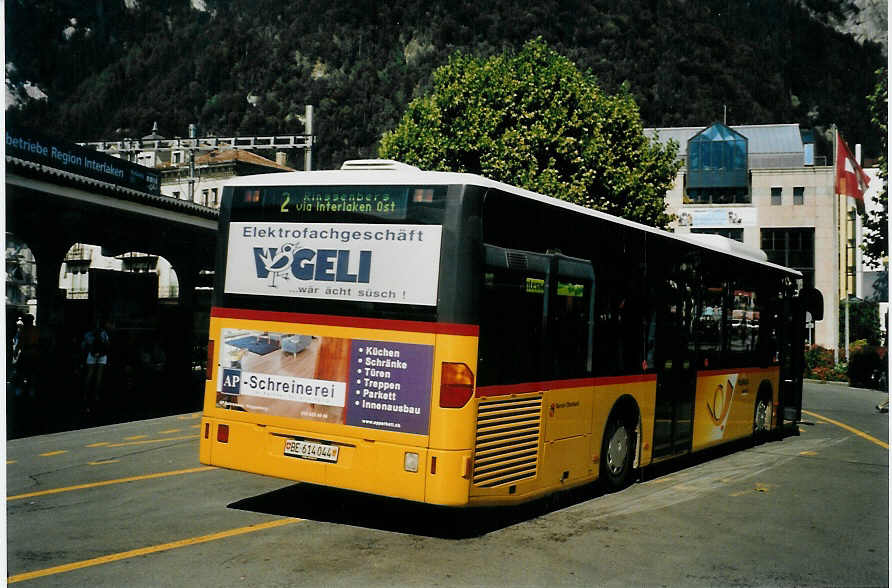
<point>363,465</point>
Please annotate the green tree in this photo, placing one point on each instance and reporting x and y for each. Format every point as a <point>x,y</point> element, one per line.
<point>534,120</point>
<point>876,238</point>
<point>864,322</point>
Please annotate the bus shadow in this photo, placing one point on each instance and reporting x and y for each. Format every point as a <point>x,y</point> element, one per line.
<point>344,507</point>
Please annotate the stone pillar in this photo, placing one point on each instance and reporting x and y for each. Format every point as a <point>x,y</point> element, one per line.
<point>182,353</point>
<point>49,256</point>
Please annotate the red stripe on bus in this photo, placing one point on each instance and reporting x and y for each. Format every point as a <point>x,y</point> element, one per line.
<point>346,321</point>
<point>526,387</point>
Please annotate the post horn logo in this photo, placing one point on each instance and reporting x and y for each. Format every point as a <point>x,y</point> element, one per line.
<point>721,403</point>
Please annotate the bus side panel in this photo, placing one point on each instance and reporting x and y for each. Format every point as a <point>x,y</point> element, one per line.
<point>725,404</point>
<point>571,429</point>
<point>567,432</point>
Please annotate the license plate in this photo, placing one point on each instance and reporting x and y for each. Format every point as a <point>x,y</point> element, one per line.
<point>310,450</point>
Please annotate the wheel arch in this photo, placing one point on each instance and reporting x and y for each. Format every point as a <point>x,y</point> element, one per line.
<point>766,393</point>
<point>766,389</point>
<point>626,407</point>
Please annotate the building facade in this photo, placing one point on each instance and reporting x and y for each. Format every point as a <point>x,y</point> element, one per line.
<point>202,181</point>
<point>767,187</point>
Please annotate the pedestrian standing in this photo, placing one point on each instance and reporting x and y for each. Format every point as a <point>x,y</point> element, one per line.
<point>25,354</point>
<point>95,346</point>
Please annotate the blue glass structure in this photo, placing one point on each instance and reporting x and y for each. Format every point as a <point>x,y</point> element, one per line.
<point>717,158</point>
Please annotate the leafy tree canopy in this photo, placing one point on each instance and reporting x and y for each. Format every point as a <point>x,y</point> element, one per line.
<point>534,120</point>
<point>876,239</point>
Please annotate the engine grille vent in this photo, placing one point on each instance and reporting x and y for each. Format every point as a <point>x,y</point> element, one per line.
<point>516,261</point>
<point>507,446</point>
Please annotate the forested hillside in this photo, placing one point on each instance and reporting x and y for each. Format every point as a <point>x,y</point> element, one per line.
<point>110,68</point>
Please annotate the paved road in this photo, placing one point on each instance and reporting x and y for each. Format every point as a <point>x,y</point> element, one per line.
<point>811,509</point>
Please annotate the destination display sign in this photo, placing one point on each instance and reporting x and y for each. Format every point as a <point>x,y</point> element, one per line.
<point>296,201</point>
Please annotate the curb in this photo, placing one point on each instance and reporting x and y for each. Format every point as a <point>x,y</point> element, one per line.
<point>846,384</point>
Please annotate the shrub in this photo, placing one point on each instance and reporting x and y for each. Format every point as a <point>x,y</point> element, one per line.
<point>819,365</point>
<point>868,367</point>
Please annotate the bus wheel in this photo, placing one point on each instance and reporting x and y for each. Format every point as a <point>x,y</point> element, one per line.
<point>616,455</point>
<point>761,419</point>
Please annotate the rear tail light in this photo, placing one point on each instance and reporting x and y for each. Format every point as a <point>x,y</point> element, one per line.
<point>210,364</point>
<point>223,433</point>
<point>456,385</point>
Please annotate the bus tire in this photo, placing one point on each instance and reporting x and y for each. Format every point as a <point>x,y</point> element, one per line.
<point>617,453</point>
<point>761,419</point>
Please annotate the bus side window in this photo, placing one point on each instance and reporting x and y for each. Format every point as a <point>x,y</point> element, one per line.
<point>570,316</point>
<point>770,308</point>
<point>742,325</point>
<point>709,324</point>
<point>511,327</point>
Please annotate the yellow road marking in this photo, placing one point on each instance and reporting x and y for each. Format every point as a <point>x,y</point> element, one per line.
<point>11,461</point>
<point>52,453</point>
<point>151,549</point>
<point>808,453</point>
<point>147,441</point>
<point>96,463</point>
<point>135,437</point>
<point>861,434</point>
<point>109,482</point>
<point>189,417</point>
<point>100,444</point>
<point>170,431</point>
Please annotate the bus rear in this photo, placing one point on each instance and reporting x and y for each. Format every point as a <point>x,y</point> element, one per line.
<point>341,345</point>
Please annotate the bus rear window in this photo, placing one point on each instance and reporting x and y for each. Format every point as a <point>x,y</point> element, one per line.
<point>408,204</point>
<point>377,245</point>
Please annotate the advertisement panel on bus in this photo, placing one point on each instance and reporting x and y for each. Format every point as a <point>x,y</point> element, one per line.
<point>382,385</point>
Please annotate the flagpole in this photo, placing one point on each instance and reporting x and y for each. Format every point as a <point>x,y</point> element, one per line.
<point>836,241</point>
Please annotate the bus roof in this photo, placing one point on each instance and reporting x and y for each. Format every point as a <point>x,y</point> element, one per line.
<point>385,172</point>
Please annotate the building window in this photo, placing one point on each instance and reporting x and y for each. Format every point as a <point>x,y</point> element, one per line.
<point>214,194</point>
<point>717,196</point>
<point>776,196</point>
<point>735,234</point>
<point>793,248</point>
<point>204,196</point>
<point>799,195</point>
<point>176,194</point>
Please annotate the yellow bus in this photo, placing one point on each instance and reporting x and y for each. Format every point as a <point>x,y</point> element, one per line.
<point>444,338</point>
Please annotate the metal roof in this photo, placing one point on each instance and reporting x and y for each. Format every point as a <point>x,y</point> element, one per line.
<point>763,139</point>
<point>121,192</point>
